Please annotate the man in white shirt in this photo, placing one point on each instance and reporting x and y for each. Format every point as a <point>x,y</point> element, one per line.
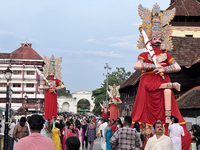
<point>176,132</point>
<point>10,134</point>
<point>159,141</point>
<point>103,126</point>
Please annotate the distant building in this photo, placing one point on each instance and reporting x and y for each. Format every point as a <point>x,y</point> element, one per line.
<point>66,104</point>
<point>25,80</point>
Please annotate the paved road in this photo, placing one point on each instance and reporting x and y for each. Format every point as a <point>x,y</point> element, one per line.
<point>97,145</point>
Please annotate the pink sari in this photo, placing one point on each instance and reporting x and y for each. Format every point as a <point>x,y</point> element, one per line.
<point>67,134</point>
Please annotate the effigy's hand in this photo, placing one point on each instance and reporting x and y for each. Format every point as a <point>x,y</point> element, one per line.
<point>52,88</point>
<point>160,65</point>
<point>159,70</point>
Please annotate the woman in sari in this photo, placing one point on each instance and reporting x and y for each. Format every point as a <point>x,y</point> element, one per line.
<point>63,132</point>
<point>91,132</point>
<point>56,136</point>
<point>70,132</point>
<point>108,135</point>
<point>80,132</point>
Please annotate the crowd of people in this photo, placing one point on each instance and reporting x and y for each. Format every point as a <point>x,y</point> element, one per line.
<point>78,132</point>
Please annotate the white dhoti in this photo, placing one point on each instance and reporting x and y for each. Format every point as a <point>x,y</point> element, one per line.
<point>177,146</point>
<point>163,143</point>
<point>103,143</point>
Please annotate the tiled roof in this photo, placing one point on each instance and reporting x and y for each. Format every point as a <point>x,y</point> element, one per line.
<point>186,7</point>
<point>132,80</point>
<point>191,99</point>
<point>186,50</point>
<point>4,55</point>
<point>25,52</point>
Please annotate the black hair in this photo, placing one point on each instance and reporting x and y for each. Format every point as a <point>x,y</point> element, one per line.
<point>57,125</point>
<point>23,119</point>
<point>154,125</point>
<point>128,119</point>
<point>176,120</point>
<point>137,126</point>
<point>172,117</point>
<point>116,121</point>
<point>36,122</point>
<point>72,143</point>
<point>143,123</point>
<point>78,124</point>
<point>68,123</point>
<point>71,120</point>
<point>28,117</point>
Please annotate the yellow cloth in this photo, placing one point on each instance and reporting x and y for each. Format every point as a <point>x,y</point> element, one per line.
<point>56,138</point>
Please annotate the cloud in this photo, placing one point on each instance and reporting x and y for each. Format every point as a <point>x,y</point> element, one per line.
<point>82,53</point>
<point>124,42</point>
<point>135,24</point>
<point>126,45</point>
<point>92,41</point>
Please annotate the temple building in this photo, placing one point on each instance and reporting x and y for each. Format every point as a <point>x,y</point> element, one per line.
<point>24,80</point>
<point>186,41</point>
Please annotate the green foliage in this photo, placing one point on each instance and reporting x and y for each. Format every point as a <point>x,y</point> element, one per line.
<point>62,92</point>
<point>117,77</point>
<point>83,104</point>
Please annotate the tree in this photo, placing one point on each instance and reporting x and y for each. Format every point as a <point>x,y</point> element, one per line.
<point>83,104</point>
<point>62,92</point>
<point>117,77</point>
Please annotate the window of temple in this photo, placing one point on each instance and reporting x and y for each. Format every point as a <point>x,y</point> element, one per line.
<point>3,84</point>
<point>16,85</point>
<point>30,72</point>
<point>17,72</point>
<point>29,85</point>
<point>188,35</point>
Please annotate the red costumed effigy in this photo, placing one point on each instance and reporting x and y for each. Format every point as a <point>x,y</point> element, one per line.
<point>114,101</point>
<point>51,84</point>
<point>104,109</point>
<point>155,98</point>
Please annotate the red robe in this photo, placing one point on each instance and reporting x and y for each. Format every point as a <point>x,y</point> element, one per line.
<point>149,103</point>
<point>50,102</point>
<point>114,109</point>
<point>105,115</point>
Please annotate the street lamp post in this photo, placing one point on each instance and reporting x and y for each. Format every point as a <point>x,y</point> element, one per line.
<point>7,74</point>
<point>107,67</point>
<point>25,102</point>
<point>11,91</point>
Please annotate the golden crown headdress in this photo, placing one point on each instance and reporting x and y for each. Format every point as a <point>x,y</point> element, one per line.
<point>52,66</point>
<point>155,21</point>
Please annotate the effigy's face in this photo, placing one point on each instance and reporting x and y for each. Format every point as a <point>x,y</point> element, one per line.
<point>156,41</point>
<point>156,31</point>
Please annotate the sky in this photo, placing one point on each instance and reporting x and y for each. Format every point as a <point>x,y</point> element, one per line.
<point>86,33</point>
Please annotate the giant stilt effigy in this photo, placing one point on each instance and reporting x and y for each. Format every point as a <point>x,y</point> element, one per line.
<point>155,98</point>
<point>51,75</point>
<point>104,109</point>
<point>114,101</point>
